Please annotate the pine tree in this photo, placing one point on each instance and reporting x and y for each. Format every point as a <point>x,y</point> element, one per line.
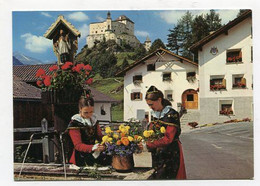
<point>213,21</point>
<point>173,39</point>
<point>156,44</point>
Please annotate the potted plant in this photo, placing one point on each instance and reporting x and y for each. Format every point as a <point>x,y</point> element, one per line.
<point>65,84</point>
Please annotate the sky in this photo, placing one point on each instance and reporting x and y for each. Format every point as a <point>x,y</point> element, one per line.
<point>30,26</point>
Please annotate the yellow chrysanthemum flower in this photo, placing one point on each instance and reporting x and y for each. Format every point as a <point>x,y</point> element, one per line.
<point>139,138</point>
<point>146,134</point>
<point>121,127</point>
<point>96,141</point>
<point>110,140</point>
<point>151,132</point>
<point>130,138</point>
<point>104,139</point>
<point>108,130</point>
<point>162,129</point>
<point>115,136</point>
<point>123,130</point>
<point>127,127</point>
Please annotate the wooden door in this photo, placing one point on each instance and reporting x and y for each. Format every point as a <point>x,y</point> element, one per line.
<point>190,99</point>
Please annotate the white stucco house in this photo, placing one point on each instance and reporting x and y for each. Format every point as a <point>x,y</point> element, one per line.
<point>175,76</point>
<point>226,72</point>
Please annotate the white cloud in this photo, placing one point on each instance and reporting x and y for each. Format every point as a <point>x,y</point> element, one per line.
<point>36,44</point>
<point>78,16</point>
<point>99,18</point>
<point>46,14</point>
<point>171,17</point>
<point>84,30</point>
<point>141,33</point>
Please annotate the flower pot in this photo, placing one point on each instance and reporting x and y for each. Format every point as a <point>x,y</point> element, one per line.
<point>122,163</point>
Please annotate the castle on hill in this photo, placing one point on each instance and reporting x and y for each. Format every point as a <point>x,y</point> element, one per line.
<point>120,30</point>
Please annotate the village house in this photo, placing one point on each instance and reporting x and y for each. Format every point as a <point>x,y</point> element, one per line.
<point>175,76</point>
<point>119,30</point>
<point>226,72</point>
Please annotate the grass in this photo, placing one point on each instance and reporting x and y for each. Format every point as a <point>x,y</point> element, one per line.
<point>108,87</point>
<point>120,57</point>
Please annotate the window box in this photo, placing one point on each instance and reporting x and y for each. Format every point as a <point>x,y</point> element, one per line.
<point>226,107</point>
<point>167,77</point>
<point>239,83</point>
<point>234,56</point>
<point>217,84</point>
<point>191,76</point>
<point>137,79</point>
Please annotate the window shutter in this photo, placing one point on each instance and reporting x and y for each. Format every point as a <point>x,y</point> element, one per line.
<point>141,96</point>
<point>132,96</point>
<point>243,81</point>
<point>224,82</point>
<point>240,53</point>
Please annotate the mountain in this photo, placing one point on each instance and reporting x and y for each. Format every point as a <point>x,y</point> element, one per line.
<point>26,60</point>
<point>16,61</point>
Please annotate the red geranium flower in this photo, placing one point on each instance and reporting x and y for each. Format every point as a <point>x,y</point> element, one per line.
<point>78,67</point>
<point>89,81</point>
<point>88,67</point>
<point>53,68</point>
<point>47,81</point>
<point>39,83</point>
<point>40,73</point>
<point>66,66</point>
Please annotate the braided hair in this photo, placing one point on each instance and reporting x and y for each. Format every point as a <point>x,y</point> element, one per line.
<point>86,100</point>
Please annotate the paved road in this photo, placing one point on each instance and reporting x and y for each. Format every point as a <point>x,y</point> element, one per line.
<point>219,152</point>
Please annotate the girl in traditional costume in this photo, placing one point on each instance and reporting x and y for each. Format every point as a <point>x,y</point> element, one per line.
<point>167,154</point>
<point>86,135</point>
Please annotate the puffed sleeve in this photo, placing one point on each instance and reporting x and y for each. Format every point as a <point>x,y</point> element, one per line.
<point>77,142</point>
<point>166,140</point>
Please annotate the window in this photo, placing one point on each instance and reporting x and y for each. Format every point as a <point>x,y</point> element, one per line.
<point>167,77</point>
<point>217,83</point>
<point>190,97</point>
<point>191,76</point>
<point>151,67</point>
<point>136,96</point>
<point>102,111</point>
<point>168,95</point>
<point>234,56</point>
<point>137,79</point>
<point>239,81</point>
<point>226,107</point>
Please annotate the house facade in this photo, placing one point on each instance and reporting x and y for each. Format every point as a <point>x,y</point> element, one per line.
<point>226,72</point>
<point>121,29</point>
<point>175,76</point>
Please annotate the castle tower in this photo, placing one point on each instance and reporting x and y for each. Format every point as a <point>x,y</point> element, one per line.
<point>147,44</point>
<point>108,22</point>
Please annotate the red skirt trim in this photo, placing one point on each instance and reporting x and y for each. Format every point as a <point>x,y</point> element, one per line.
<point>181,172</point>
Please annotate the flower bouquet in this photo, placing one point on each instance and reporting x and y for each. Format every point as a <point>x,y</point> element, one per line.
<point>155,134</point>
<point>65,83</point>
<point>121,144</point>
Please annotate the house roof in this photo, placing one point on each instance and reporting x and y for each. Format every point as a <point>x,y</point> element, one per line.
<point>27,72</point>
<point>60,20</point>
<point>222,30</point>
<point>181,59</point>
<point>123,17</point>
<point>22,90</point>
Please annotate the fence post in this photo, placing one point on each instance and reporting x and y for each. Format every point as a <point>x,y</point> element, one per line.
<point>45,142</point>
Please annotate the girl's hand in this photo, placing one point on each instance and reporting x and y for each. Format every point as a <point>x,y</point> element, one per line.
<point>140,146</point>
<point>100,148</point>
